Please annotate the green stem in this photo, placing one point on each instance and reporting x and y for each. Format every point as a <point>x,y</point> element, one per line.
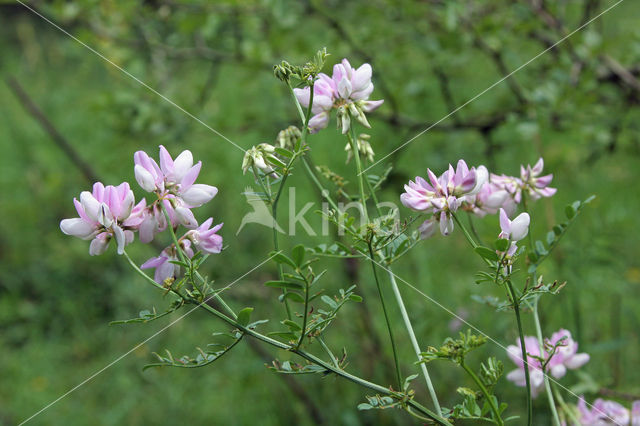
<point>306,312</point>
<point>328,351</point>
<point>536,320</point>
<point>183,259</point>
<point>173,233</point>
<point>356,156</point>
<point>324,192</point>
<point>329,367</point>
<point>485,392</point>
<point>516,308</point>
<point>386,318</point>
<point>311,174</point>
<point>464,231</point>
<point>414,341</point>
<point>547,384</point>
<point>310,357</point>
<point>569,411</point>
<point>145,276</point>
<point>274,203</point>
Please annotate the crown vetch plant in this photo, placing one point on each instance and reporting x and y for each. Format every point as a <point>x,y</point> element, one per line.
<point>378,238</point>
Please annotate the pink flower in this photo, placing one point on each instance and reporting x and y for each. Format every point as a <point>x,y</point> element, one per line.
<point>348,90</point>
<point>536,376</point>
<point>537,186</point>
<point>206,239</point>
<point>559,353</point>
<point>635,413</point>
<point>489,200</point>
<point>443,195</point>
<point>529,181</point>
<point>105,213</point>
<point>566,355</point>
<point>174,184</point>
<point>164,268</point>
<point>516,229</point>
<point>602,413</point>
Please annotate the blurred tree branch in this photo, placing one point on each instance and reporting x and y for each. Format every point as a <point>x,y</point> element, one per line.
<point>66,147</point>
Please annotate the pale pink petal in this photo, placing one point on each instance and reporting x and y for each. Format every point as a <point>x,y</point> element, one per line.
<point>78,228</point>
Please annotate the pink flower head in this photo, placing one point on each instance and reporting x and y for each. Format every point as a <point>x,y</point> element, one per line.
<point>516,229</point>
<point>443,195</point>
<point>489,200</point>
<point>602,412</point>
<point>635,413</point>
<point>105,213</point>
<point>347,89</point>
<point>536,375</point>
<point>206,239</point>
<point>558,354</point>
<point>174,184</point>
<point>529,181</point>
<point>566,355</point>
<point>164,268</point>
<point>537,186</point>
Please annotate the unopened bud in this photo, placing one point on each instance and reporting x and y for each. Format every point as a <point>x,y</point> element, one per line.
<point>288,137</point>
<point>364,148</point>
<point>344,121</point>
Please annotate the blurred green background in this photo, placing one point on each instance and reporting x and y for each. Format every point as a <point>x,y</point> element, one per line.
<point>576,105</point>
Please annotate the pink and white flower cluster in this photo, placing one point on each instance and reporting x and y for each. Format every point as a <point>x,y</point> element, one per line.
<point>558,354</point>
<point>106,213</point>
<point>347,90</point>
<point>109,212</point>
<point>173,182</point>
<point>604,412</point>
<point>473,190</point>
<point>443,195</point>
<point>502,191</point>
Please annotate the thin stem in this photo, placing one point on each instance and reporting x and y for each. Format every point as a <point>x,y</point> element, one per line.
<point>173,233</point>
<point>141,273</point>
<point>525,207</point>
<point>323,191</point>
<point>328,351</point>
<point>536,321</point>
<point>306,312</point>
<point>473,228</point>
<point>464,231</point>
<point>331,202</point>
<point>315,360</point>
<point>547,384</point>
<point>356,156</point>
<point>414,341</point>
<point>485,392</point>
<point>568,410</point>
<point>386,318</point>
<point>296,102</point>
<point>219,298</point>
<point>516,308</point>
<point>274,203</point>
<point>310,357</point>
<point>183,259</point>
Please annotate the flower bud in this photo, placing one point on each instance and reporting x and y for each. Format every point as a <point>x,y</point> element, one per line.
<point>344,121</point>
<point>364,148</point>
<point>256,156</point>
<point>288,137</point>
